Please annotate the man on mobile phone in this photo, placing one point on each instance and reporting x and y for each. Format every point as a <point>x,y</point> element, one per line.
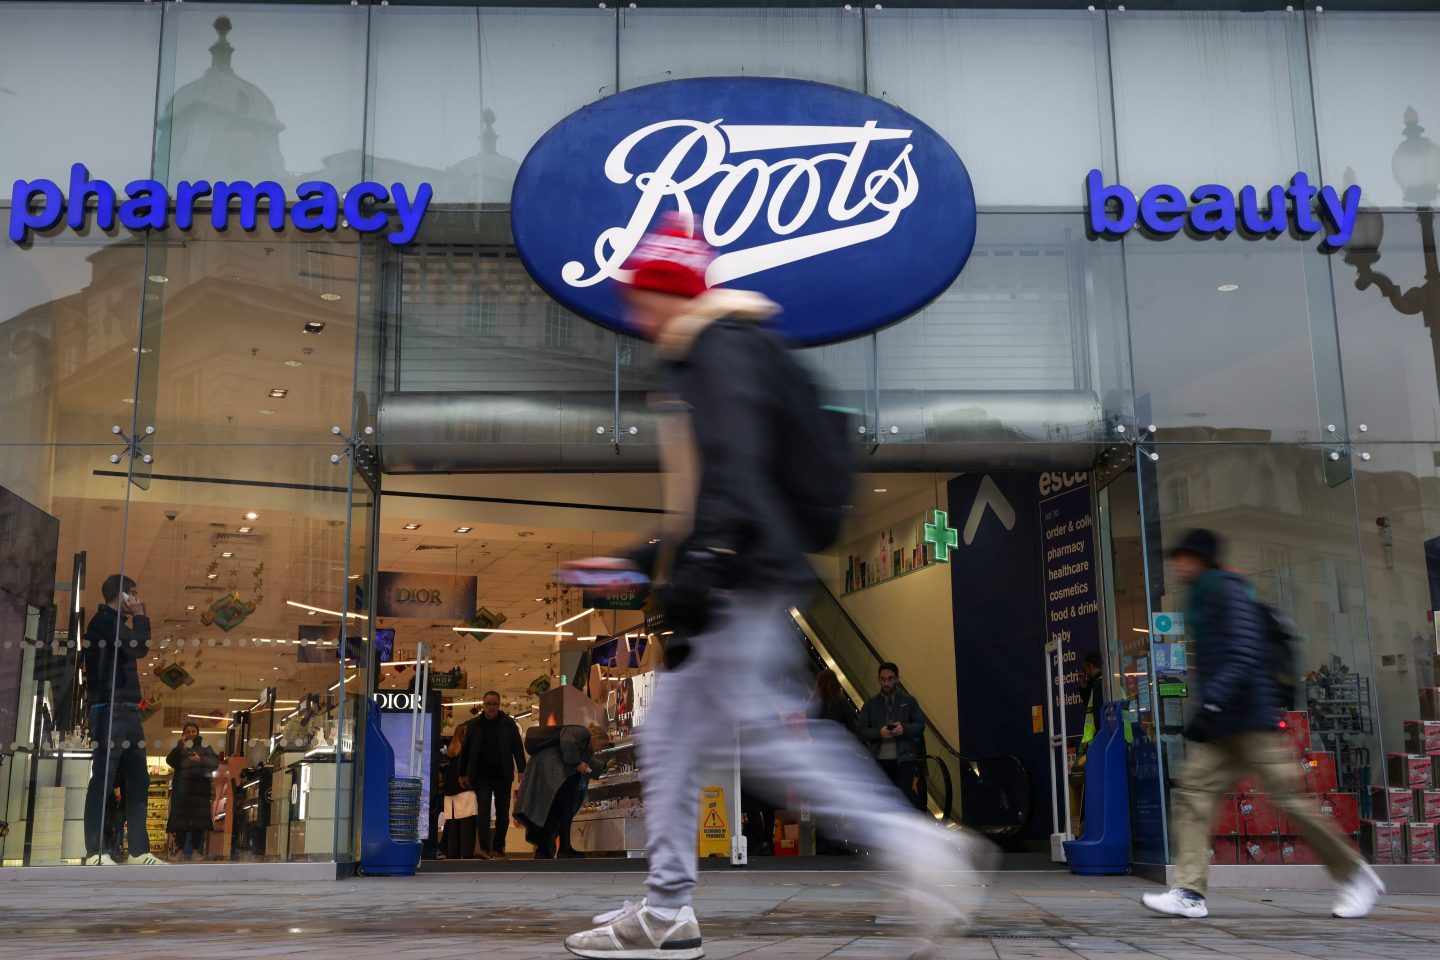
<point>116,640</point>
<point>890,724</point>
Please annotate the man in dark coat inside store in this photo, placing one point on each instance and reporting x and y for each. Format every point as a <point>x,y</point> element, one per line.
<point>490,756</point>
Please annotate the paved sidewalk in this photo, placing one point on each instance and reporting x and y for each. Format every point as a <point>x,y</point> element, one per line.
<point>752,913</point>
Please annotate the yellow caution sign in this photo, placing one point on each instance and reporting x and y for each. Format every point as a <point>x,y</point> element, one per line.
<point>714,830</point>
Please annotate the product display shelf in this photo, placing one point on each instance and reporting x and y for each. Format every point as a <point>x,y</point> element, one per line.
<point>157,810</point>
<point>612,819</point>
<point>1339,705</point>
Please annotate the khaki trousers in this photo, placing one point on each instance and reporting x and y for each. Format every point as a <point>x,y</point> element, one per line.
<point>1209,770</point>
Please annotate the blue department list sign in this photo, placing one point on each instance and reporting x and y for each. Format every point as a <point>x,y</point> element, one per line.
<point>1072,597</point>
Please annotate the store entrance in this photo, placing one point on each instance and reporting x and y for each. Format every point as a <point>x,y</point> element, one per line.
<point>940,574</point>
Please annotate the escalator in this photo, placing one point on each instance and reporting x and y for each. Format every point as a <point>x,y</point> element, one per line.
<point>992,795</point>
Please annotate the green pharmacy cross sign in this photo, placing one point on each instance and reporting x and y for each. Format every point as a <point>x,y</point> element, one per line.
<point>942,535</point>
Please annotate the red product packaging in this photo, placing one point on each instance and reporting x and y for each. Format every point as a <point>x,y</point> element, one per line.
<point>1382,842</point>
<point>1258,816</point>
<point>1319,769</point>
<point>1293,850</point>
<point>1427,806</point>
<point>1227,817</point>
<point>1420,843</point>
<point>1422,736</point>
<point>1344,809</point>
<point>1225,850</point>
<point>1256,850</point>
<point>1408,770</point>
<point>1295,724</point>
<point>1392,804</point>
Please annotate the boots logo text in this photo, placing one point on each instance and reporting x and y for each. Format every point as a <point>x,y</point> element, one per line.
<point>845,210</point>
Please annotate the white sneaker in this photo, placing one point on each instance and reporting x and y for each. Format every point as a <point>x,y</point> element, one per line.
<point>99,860</point>
<point>148,860</point>
<point>1358,894</point>
<point>601,919</point>
<point>640,934</point>
<point>1177,903</point>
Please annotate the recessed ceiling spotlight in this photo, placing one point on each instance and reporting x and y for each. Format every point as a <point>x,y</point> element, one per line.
<point>1228,287</point>
<point>228,554</point>
<point>332,297</point>
<point>294,363</point>
<point>158,278</point>
<point>267,412</point>
<point>312,612</point>
<point>279,393</point>
<point>252,515</point>
<point>882,489</point>
<point>212,576</point>
<point>412,526</point>
<point>525,533</point>
<point>127,400</point>
<point>539,599</point>
<point>141,350</point>
<point>463,529</point>
<point>314,326</point>
<point>190,607</point>
<point>246,529</point>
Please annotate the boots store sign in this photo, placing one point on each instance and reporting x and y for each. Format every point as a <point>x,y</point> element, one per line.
<point>426,595</point>
<point>845,210</point>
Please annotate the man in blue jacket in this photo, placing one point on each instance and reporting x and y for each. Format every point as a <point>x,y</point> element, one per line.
<point>1237,731</point>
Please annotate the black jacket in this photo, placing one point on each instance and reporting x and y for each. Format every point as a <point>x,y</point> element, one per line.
<point>475,764</point>
<point>105,660</point>
<point>905,709</point>
<point>722,370</point>
<point>191,787</point>
<point>1234,659</point>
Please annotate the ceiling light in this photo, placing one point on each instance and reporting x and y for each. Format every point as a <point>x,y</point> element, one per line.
<point>246,529</point>
<point>882,490</point>
<point>278,393</point>
<point>158,278</point>
<point>311,613</point>
<point>314,326</point>
<point>211,576</point>
<point>583,613</point>
<point>1228,287</point>
<point>252,515</point>
<point>228,554</point>
<point>412,526</point>
<point>333,613</point>
<point>332,297</point>
<point>141,350</point>
<point>128,400</point>
<point>294,363</point>
<point>190,607</point>
<point>539,599</point>
<point>266,412</point>
<point>525,633</point>
<point>463,529</point>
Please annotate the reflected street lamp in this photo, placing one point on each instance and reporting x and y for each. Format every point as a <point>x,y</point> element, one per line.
<point>1416,166</point>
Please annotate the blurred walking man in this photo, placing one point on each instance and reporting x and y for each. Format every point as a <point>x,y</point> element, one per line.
<point>727,568</point>
<point>1237,731</point>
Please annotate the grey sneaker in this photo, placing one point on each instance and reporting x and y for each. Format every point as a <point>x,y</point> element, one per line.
<point>147,860</point>
<point>99,860</point>
<point>638,934</point>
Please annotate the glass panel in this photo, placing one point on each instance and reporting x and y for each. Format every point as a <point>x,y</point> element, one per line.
<point>253,339</point>
<point>1036,82</point>
<point>1221,339</point>
<point>242,561</point>
<point>1028,343</point>
<point>1206,98</point>
<point>1292,534</point>
<point>822,45</point>
<point>72,520</point>
<point>1390,343</point>
<point>501,79</point>
<point>1369,70</point>
<point>253,92</point>
<point>1398,490</point>
<point>102,115</point>
<point>69,331</point>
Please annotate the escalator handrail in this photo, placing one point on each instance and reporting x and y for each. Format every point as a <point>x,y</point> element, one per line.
<point>1029,783</point>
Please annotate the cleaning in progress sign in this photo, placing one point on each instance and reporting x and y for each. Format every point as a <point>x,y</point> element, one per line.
<point>1072,596</point>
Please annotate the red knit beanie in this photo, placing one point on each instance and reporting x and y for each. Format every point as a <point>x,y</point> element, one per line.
<point>670,259</point>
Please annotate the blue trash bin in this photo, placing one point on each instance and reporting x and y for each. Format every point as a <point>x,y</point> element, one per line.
<point>1104,848</point>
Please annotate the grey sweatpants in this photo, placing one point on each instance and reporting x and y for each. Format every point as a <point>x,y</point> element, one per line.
<point>734,677</point>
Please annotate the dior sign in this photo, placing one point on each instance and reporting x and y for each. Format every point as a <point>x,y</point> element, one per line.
<point>844,209</point>
<point>426,595</point>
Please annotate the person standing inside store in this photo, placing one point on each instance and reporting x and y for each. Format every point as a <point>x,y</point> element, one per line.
<point>191,789</point>
<point>462,812</point>
<point>1236,731</point>
<point>491,755</point>
<point>550,792</point>
<point>727,567</point>
<point>116,639</point>
<point>891,724</point>
<point>1092,694</point>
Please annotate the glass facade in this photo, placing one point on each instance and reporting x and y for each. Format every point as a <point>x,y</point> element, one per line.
<point>159,389</point>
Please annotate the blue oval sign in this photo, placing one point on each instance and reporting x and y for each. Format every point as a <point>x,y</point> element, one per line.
<point>846,211</point>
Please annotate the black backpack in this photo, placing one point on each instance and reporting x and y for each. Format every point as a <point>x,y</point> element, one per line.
<point>814,458</point>
<point>1284,641</point>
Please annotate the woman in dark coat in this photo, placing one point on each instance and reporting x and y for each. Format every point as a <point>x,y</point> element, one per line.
<point>194,764</point>
<point>550,790</point>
